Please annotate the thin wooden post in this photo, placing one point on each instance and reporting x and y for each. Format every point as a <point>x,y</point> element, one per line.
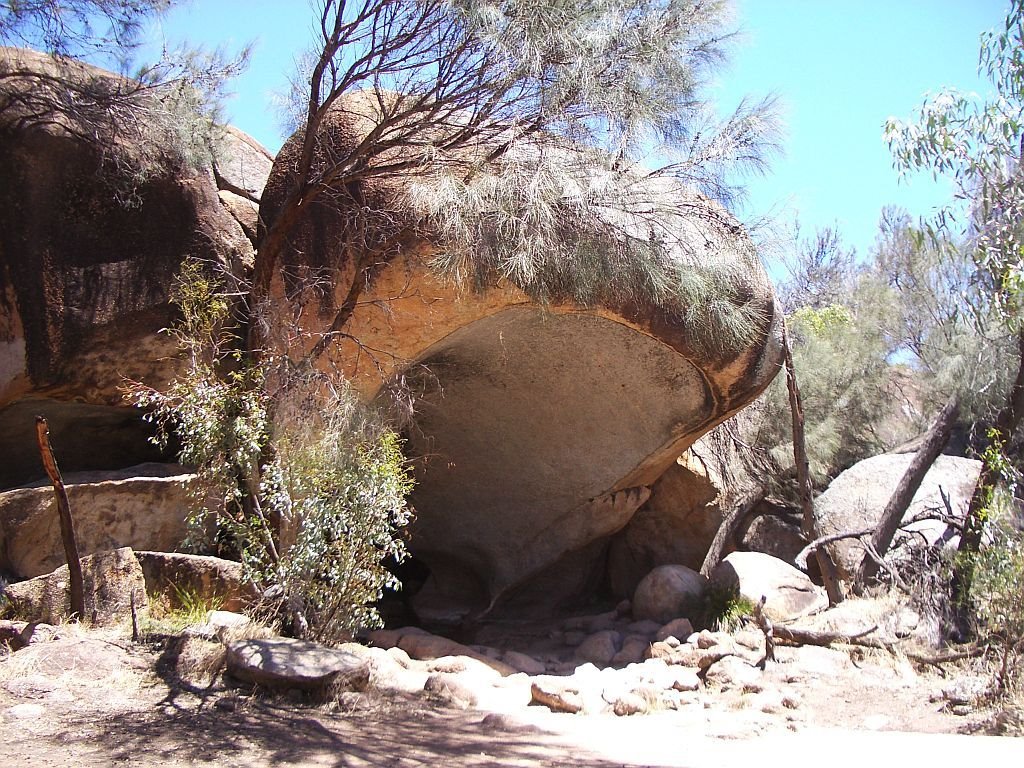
<point>803,476</point>
<point>67,523</point>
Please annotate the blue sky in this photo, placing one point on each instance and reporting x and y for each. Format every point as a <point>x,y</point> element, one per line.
<point>839,68</point>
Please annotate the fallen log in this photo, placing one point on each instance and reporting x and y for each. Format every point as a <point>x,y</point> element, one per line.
<point>794,636</point>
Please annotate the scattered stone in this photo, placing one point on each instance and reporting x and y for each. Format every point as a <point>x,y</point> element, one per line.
<point>733,672</point>
<point>555,696</point>
<point>675,628</point>
<point>26,711</point>
<point>290,663</point>
<point>574,637</point>
<point>227,620</point>
<point>966,690</point>
<point>684,678</point>
<point>600,648</point>
<point>629,704</point>
<point>669,592</point>
<point>37,632</point>
<point>109,581</point>
<point>750,639</point>
<point>633,650</point>
<point>645,627</point>
<point>524,663</point>
<point>423,645</point>
<point>790,593</point>
<point>451,689</point>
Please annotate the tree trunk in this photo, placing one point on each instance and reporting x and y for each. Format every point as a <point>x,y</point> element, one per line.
<point>725,531</point>
<point>1006,424</point>
<point>803,476</point>
<point>935,440</point>
<point>67,524</point>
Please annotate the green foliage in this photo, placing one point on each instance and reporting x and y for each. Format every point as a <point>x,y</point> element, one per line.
<point>170,613</point>
<point>826,323</point>
<point>998,597</point>
<point>723,610</point>
<point>977,142</point>
<point>520,133</point>
<point>307,483</point>
<point>76,27</point>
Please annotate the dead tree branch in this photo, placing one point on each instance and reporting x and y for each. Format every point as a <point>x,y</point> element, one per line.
<point>67,523</point>
<point>881,539</point>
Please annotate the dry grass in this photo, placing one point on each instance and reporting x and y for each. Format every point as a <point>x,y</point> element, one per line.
<point>200,661</point>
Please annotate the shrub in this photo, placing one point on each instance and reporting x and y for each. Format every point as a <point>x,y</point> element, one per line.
<point>998,596</point>
<point>307,485</point>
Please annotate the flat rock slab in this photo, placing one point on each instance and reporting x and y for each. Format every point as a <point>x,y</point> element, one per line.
<point>289,663</point>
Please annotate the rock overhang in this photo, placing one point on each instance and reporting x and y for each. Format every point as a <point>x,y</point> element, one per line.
<point>537,425</point>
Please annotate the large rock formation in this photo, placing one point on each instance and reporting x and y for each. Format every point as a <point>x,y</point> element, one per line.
<point>145,506</point>
<point>539,428</point>
<point>94,223</point>
<point>854,501</point>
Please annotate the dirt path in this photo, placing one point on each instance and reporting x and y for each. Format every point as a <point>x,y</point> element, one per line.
<point>91,701</point>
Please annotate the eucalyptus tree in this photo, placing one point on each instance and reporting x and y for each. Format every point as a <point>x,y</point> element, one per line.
<point>979,143</point>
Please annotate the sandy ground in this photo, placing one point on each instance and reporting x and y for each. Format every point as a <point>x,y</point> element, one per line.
<point>96,700</point>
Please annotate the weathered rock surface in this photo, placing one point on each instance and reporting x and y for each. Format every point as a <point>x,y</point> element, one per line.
<point>675,526</point>
<point>88,252</point>
<point>751,575</point>
<point>111,581</point>
<point>206,577</point>
<point>241,164</point>
<point>512,394</point>
<point>855,500</point>
<point>772,529</point>
<point>289,663</point>
<point>143,507</point>
<point>669,592</point>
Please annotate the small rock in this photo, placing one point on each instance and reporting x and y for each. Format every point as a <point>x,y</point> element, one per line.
<point>555,697</point>
<point>676,628</point>
<point>452,689</point>
<point>400,656</point>
<point>290,663</point>
<point>962,709</point>
<point>624,608</point>
<point>789,592</point>
<point>574,637</point>
<point>684,678</point>
<point>25,711</point>
<point>632,651</point>
<point>668,592</point>
<point>733,672</point>
<point>38,632</point>
<point>645,627</point>
<point>707,639</point>
<point>629,704</point>
<point>749,639</point>
<point>524,663</point>
<point>600,648</point>
<point>226,619</point>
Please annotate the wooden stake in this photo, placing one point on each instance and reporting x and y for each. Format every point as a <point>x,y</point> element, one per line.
<point>67,524</point>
